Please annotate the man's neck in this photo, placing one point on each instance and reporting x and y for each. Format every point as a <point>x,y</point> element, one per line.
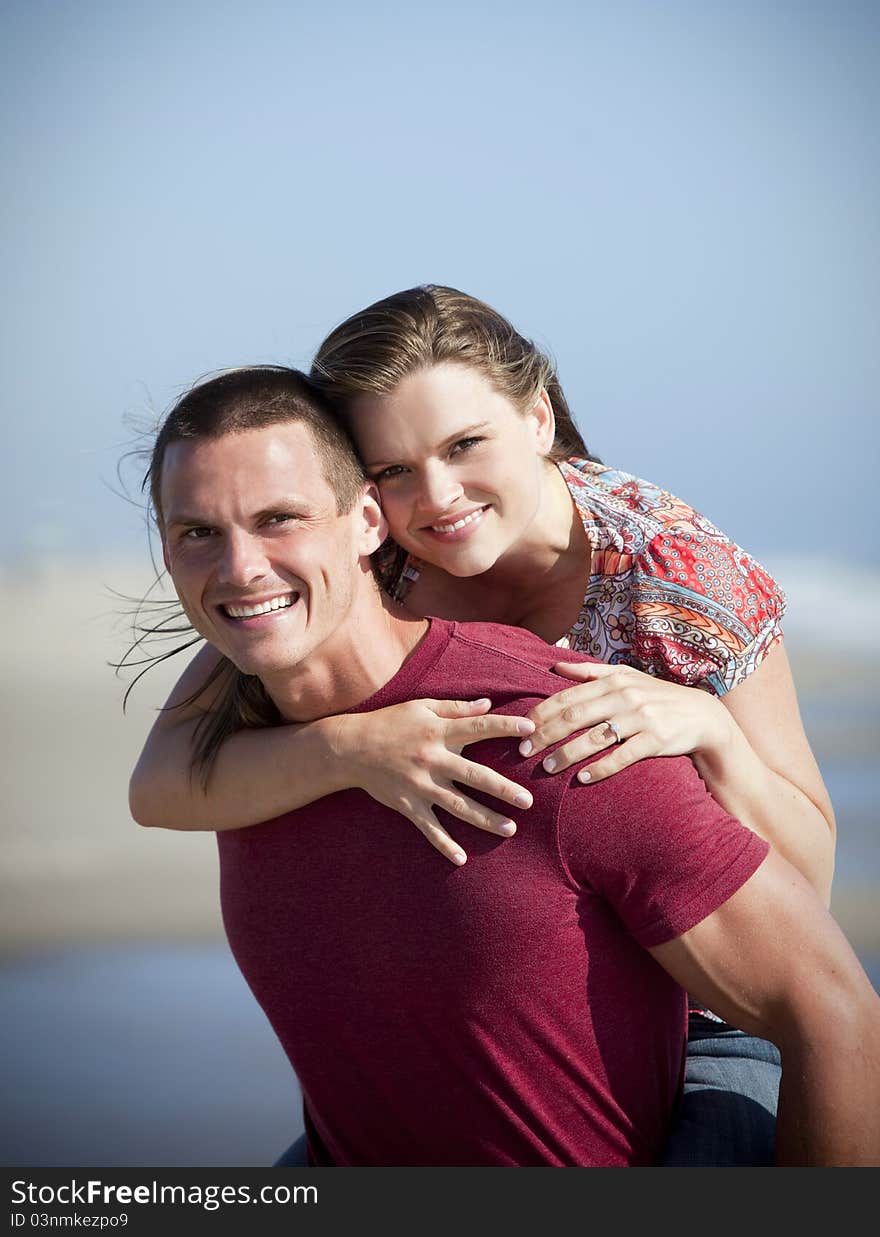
<point>364,654</point>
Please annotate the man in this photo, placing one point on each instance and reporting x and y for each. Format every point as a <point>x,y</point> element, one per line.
<point>527,1008</point>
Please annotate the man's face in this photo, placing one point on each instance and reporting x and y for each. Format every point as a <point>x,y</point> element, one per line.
<point>265,568</point>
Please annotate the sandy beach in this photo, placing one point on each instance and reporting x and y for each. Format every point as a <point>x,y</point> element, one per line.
<point>75,868</point>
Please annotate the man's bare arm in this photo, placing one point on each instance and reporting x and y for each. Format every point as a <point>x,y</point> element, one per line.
<point>772,961</point>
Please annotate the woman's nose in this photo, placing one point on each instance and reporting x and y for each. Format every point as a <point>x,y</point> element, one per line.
<point>440,489</point>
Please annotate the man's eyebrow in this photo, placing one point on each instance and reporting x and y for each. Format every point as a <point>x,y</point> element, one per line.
<point>184,520</point>
<point>290,504</point>
<point>465,432</point>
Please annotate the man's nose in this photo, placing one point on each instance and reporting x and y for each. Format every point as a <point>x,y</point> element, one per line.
<point>242,562</point>
<point>440,489</point>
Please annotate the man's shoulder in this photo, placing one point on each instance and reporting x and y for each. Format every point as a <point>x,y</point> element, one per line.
<point>515,643</point>
<point>511,657</point>
<point>468,661</point>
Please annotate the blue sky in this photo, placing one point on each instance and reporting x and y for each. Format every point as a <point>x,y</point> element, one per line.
<point>679,199</point>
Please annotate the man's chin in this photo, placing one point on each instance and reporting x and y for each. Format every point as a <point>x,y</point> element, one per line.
<point>251,666</point>
<point>243,661</point>
<point>248,657</point>
<point>254,665</point>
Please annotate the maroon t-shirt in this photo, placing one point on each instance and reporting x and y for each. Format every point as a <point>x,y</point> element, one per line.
<point>505,1012</point>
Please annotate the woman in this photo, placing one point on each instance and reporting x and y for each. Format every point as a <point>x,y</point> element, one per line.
<point>498,513</point>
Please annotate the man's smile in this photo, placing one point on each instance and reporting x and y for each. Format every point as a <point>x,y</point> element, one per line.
<point>255,609</point>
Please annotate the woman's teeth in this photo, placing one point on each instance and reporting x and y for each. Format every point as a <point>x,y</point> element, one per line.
<point>264,607</point>
<point>451,528</point>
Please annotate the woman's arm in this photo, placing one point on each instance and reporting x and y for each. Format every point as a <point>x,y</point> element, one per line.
<point>749,747</point>
<point>407,756</point>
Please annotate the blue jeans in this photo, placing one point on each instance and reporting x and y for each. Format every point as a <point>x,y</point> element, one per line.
<point>726,1116</point>
<point>296,1155</point>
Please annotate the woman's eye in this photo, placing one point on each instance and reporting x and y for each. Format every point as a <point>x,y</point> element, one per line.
<point>465,444</point>
<point>388,474</point>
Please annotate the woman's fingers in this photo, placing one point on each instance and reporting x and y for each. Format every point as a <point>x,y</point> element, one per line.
<point>639,747</point>
<point>491,726</point>
<point>573,710</point>
<point>473,776</point>
<point>432,773</point>
<point>627,711</point>
<point>583,745</point>
<point>459,708</point>
<point>456,804</point>
<point>452,800</point>
<point>426,822</point>
<point>572,700</point>
<point>477,722</point>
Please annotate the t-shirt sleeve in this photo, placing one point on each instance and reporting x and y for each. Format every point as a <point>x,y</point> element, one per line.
<point>655,845</point>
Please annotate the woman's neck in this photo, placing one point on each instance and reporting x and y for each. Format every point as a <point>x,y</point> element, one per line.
<point>537,584</point>
<point>555,540</point>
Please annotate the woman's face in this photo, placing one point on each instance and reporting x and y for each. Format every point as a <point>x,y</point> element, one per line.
<point>459,469</point>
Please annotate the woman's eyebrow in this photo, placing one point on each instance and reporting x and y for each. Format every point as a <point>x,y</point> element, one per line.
<point>464,432</point>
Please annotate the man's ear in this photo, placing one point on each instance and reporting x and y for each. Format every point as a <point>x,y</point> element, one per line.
<point>374,528</point>
<point>545,422</point>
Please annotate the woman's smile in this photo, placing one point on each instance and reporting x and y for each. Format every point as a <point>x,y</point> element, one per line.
<point>458,527</point>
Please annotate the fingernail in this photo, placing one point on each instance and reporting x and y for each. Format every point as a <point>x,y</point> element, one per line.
<point>584,776</point>
<point>523,799</point>
<point>507,828</point>
<point>459,857</point>
<point>550,764</point>
<point>525,749</point>
<point>483,700</point>
<point>524,726</point>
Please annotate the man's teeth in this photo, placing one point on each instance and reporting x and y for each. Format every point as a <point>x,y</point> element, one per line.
<point>451,528</point>
<point>264,607</point>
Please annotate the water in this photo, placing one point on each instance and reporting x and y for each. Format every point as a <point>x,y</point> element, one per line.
<point>140,1057</point>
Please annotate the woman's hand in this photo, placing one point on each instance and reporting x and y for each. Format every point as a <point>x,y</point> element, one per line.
<point>749,747</point>
<point>651,717</point>
<point>408,757</point>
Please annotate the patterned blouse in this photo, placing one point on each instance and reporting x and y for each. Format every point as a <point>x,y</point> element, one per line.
<point>667,592</point>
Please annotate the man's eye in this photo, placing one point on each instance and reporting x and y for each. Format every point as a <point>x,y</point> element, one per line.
<point>197,534</point>
<point>280,517</point>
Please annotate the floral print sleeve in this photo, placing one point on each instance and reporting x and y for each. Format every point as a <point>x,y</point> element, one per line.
<point>667,592</point>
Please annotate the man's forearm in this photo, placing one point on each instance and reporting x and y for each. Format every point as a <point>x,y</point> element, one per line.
<point>772,961</point>
<point>829,1099</point>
